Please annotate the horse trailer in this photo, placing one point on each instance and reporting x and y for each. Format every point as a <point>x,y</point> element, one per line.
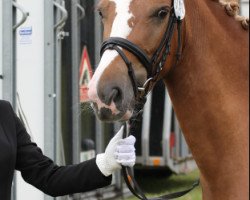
<point>42,44</point>
<point>160,142</point>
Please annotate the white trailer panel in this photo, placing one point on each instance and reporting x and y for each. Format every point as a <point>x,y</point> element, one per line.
<point>30,81</point>
<point>245,8</point>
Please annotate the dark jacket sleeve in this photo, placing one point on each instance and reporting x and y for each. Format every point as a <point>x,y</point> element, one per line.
<point>41,172</point>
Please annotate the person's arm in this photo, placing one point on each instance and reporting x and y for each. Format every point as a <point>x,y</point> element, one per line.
<point>41,172</point>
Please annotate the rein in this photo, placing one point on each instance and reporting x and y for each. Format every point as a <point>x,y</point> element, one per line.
<point>153,67</point>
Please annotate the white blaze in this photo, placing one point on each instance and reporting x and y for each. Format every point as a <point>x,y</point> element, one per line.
<point>120,28</point>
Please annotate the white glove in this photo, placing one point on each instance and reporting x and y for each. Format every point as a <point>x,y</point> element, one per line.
<point>118,152</point>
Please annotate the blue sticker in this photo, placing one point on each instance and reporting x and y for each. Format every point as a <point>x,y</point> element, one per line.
<point>25,31</point>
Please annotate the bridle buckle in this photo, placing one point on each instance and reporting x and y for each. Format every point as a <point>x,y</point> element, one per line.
<point>145,85</point>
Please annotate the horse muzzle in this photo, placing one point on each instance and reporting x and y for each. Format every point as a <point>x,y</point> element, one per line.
<point>112,100</point>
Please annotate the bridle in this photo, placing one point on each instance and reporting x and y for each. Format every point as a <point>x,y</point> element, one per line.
<point>153,66</point>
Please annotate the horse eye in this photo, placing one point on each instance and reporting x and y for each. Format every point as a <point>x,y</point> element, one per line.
<point>162,14</point>
<point>100,14</point>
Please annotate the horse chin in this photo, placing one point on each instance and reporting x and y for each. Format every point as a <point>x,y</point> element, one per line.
<point>106,115</point>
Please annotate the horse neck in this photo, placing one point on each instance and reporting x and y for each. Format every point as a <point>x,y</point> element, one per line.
<point>209,91</point>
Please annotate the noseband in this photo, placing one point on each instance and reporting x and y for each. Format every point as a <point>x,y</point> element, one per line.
<point>153,66</point>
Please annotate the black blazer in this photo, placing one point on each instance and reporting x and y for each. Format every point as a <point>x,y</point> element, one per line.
<point>18,152</point>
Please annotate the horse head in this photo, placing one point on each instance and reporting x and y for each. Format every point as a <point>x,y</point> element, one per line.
<point>133,32</point>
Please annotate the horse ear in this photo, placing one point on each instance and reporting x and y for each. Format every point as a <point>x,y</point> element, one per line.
<point>179,8</point>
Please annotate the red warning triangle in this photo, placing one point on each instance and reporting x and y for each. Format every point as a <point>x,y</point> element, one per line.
<point>85,75</point>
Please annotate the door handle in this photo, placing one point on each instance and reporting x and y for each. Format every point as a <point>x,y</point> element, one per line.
<point>83,13</point>
<point>24,15</point>
<point>60,24</point>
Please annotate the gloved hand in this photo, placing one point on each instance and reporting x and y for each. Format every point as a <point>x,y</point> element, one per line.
<point>118,152</point>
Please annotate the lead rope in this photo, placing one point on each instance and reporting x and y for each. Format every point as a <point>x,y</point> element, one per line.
<point>128,172</point>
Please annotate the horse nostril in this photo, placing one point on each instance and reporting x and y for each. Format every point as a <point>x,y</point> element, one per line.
<point>115,96</point>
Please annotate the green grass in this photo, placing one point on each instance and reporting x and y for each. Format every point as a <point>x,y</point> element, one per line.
<point>159,185</point>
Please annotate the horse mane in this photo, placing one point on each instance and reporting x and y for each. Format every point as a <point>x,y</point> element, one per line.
<point>232,8</point>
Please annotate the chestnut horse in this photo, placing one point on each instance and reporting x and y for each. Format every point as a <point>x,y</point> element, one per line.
<point>208,86</point>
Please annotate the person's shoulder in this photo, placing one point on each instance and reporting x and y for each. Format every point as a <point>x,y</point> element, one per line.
<point>5,104</point>
<point>7,118</point>
<point>5,107</point>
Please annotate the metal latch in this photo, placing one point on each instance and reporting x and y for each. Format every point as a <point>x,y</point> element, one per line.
<point>62,34</point>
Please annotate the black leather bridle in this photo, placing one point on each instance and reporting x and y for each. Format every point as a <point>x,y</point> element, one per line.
<point>153,67</point>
